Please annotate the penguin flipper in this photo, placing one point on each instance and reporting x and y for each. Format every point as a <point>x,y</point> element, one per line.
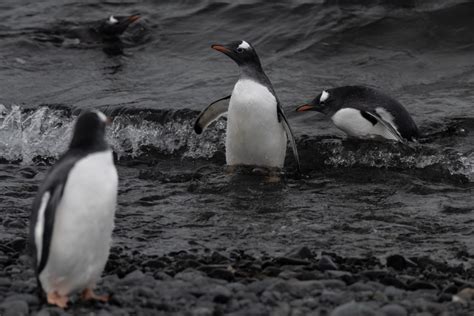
<point>55,193</point>
<point>45,204</point>
<point>290,135</point>
<point>211,113</point>
<point>392,130</point>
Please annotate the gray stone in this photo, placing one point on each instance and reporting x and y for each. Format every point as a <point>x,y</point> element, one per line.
<point>334,298</point>
<point>28,298</point>
<point>283,309</point>
<point>133,278</point>
<point>14,308</point>
<point>326,263</point>
<point>220,294</point>
<point>394,293</point>
<point>202,311</point>
<point>338,273</point>
<point>353,309</point>
<point>333,284</point>
<point>296,288</point>
<point>394,310</point>
<point>360,286</point>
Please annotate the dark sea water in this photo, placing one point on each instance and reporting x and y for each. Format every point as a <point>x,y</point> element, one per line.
<point>354,198</point>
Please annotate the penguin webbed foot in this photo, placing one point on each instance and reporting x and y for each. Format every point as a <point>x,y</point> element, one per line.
<point>54,298</point>
<point>88,295</point>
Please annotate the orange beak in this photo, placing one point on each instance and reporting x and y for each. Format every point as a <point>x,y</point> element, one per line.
<point>305,107</point>
<point>133,18</point>
<point>220,48</point>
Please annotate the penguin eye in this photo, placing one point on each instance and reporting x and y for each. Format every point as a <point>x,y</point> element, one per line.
<point>239,50</point>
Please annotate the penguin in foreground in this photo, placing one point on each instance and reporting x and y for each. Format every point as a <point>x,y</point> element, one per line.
<point>73,215</point>
<point>365,113</point>
<point>257,128</point>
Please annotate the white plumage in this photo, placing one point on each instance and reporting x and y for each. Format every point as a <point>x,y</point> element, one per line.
<point>112,20</point>
<point>82,230</point>
<point>354,124</point>
<point>254,134</point>
<point>39,227</point>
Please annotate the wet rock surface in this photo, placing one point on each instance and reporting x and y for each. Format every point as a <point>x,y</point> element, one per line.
<point>236,283</point>
<point>235,247</point>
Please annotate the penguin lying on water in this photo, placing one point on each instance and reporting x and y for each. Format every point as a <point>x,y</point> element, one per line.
<point>257,128</point>
<point>73,214</point>
<point>364,112</point>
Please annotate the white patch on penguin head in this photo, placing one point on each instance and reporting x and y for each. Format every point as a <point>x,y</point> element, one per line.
<point>112,20</point>
<point>102,116</point>
<point>324,96</point>
<point>244,45</point>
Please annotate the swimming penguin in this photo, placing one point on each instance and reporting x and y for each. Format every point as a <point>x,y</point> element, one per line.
<point>364,112</point>
<point>109,32</point>
<point>73,215</point>
<point>257,128</point>
<point>106,32</point>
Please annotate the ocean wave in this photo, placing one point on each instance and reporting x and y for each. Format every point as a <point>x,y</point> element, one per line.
<point>32,135</point>
<point>28,135</point>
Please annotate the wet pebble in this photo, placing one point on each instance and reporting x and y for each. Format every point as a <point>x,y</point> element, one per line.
<point>422,285</point>
<point>326,263</point>
<point>17,244</point>
<point>353,309</point>
<point>332,297</point>
<point>393,310</point>
<point>14,308</point>
<point>14,223</point>
<point>223,274</point>
<point>393,293</point>
<point>399,262</point>
<point>290,261</point>
<point>300,253</point>
<point>28,298</point>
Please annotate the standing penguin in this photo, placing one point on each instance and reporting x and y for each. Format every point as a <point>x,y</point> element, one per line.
<point>73,214</point>
<point>257,128</point>
<point>364,112</point>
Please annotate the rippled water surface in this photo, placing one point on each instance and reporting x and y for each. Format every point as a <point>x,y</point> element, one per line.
<point>354,197</point>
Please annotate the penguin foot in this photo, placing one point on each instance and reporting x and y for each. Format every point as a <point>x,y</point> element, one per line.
<point>55,299</point>
<point>273,178</point>
<point>230,170</point>
<point>88,294</point>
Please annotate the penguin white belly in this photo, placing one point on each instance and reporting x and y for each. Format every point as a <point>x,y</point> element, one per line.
<point>354,124</point>
<point>254,134</point>
<point>82,231</point>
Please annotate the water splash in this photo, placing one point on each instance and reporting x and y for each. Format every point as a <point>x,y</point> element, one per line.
<point>131,136</point>
<point>45,132</point>
<point>336,153</point>
<point>25,135</point>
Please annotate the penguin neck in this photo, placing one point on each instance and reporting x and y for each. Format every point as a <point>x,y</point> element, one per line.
<point>255,73</point>
<point>89,142</point>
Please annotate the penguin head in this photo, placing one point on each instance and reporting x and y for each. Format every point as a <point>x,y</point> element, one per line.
<point>114,26</point>
<point>89,129</point>
<point>241,52</point>
<point>325,102</point>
